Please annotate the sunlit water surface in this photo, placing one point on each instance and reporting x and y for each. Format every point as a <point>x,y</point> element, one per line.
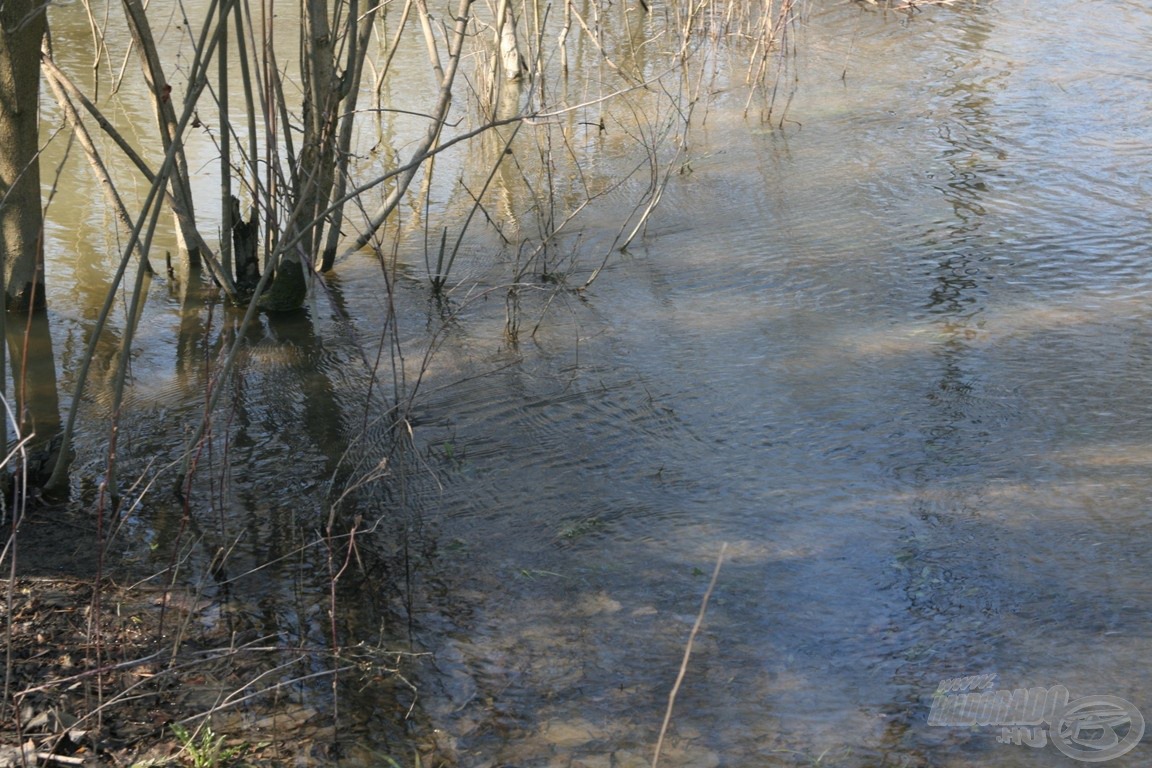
<point>892,350</point>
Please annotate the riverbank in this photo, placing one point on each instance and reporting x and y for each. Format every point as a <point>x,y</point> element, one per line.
<point>137,675</point>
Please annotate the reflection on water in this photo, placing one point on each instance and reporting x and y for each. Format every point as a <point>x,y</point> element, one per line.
<point>895,355</point>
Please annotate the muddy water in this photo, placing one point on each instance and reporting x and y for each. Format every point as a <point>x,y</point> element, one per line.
<point>892,354</point>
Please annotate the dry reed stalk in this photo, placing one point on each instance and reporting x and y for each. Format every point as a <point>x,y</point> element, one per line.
<point>688,654</point>
<point>906,5</point>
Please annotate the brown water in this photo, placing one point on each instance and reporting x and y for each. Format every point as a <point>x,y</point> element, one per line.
<point>893,353</point>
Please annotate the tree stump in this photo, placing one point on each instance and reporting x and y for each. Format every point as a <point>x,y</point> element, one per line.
<point>245,237</point>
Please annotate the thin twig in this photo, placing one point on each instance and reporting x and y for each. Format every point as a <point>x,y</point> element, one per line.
<point>687,655</point>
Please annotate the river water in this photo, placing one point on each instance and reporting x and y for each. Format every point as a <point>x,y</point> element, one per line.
<point>890,350</point>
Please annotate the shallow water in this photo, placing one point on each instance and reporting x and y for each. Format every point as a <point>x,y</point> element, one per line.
<point>891,351</point>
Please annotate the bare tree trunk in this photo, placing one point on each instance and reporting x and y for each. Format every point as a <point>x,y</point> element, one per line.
<point>357,56</point>
<point>304,230</point>
<point>37,399</point>
<point>511,61</point>
<point>324,147</point>
<point>317,149</point>
<point>24,24</point>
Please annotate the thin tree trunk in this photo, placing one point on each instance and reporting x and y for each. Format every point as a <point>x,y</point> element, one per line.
<point>37,399</point>
<point>357,56</point>
<point>166,118</point>
<point>511,61</point>
<point>24,24</point>
<point>225,135</point>
<point>313,181</point>
<point>317,148</point>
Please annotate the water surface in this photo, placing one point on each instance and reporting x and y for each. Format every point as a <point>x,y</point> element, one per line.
<point>891,348</point>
